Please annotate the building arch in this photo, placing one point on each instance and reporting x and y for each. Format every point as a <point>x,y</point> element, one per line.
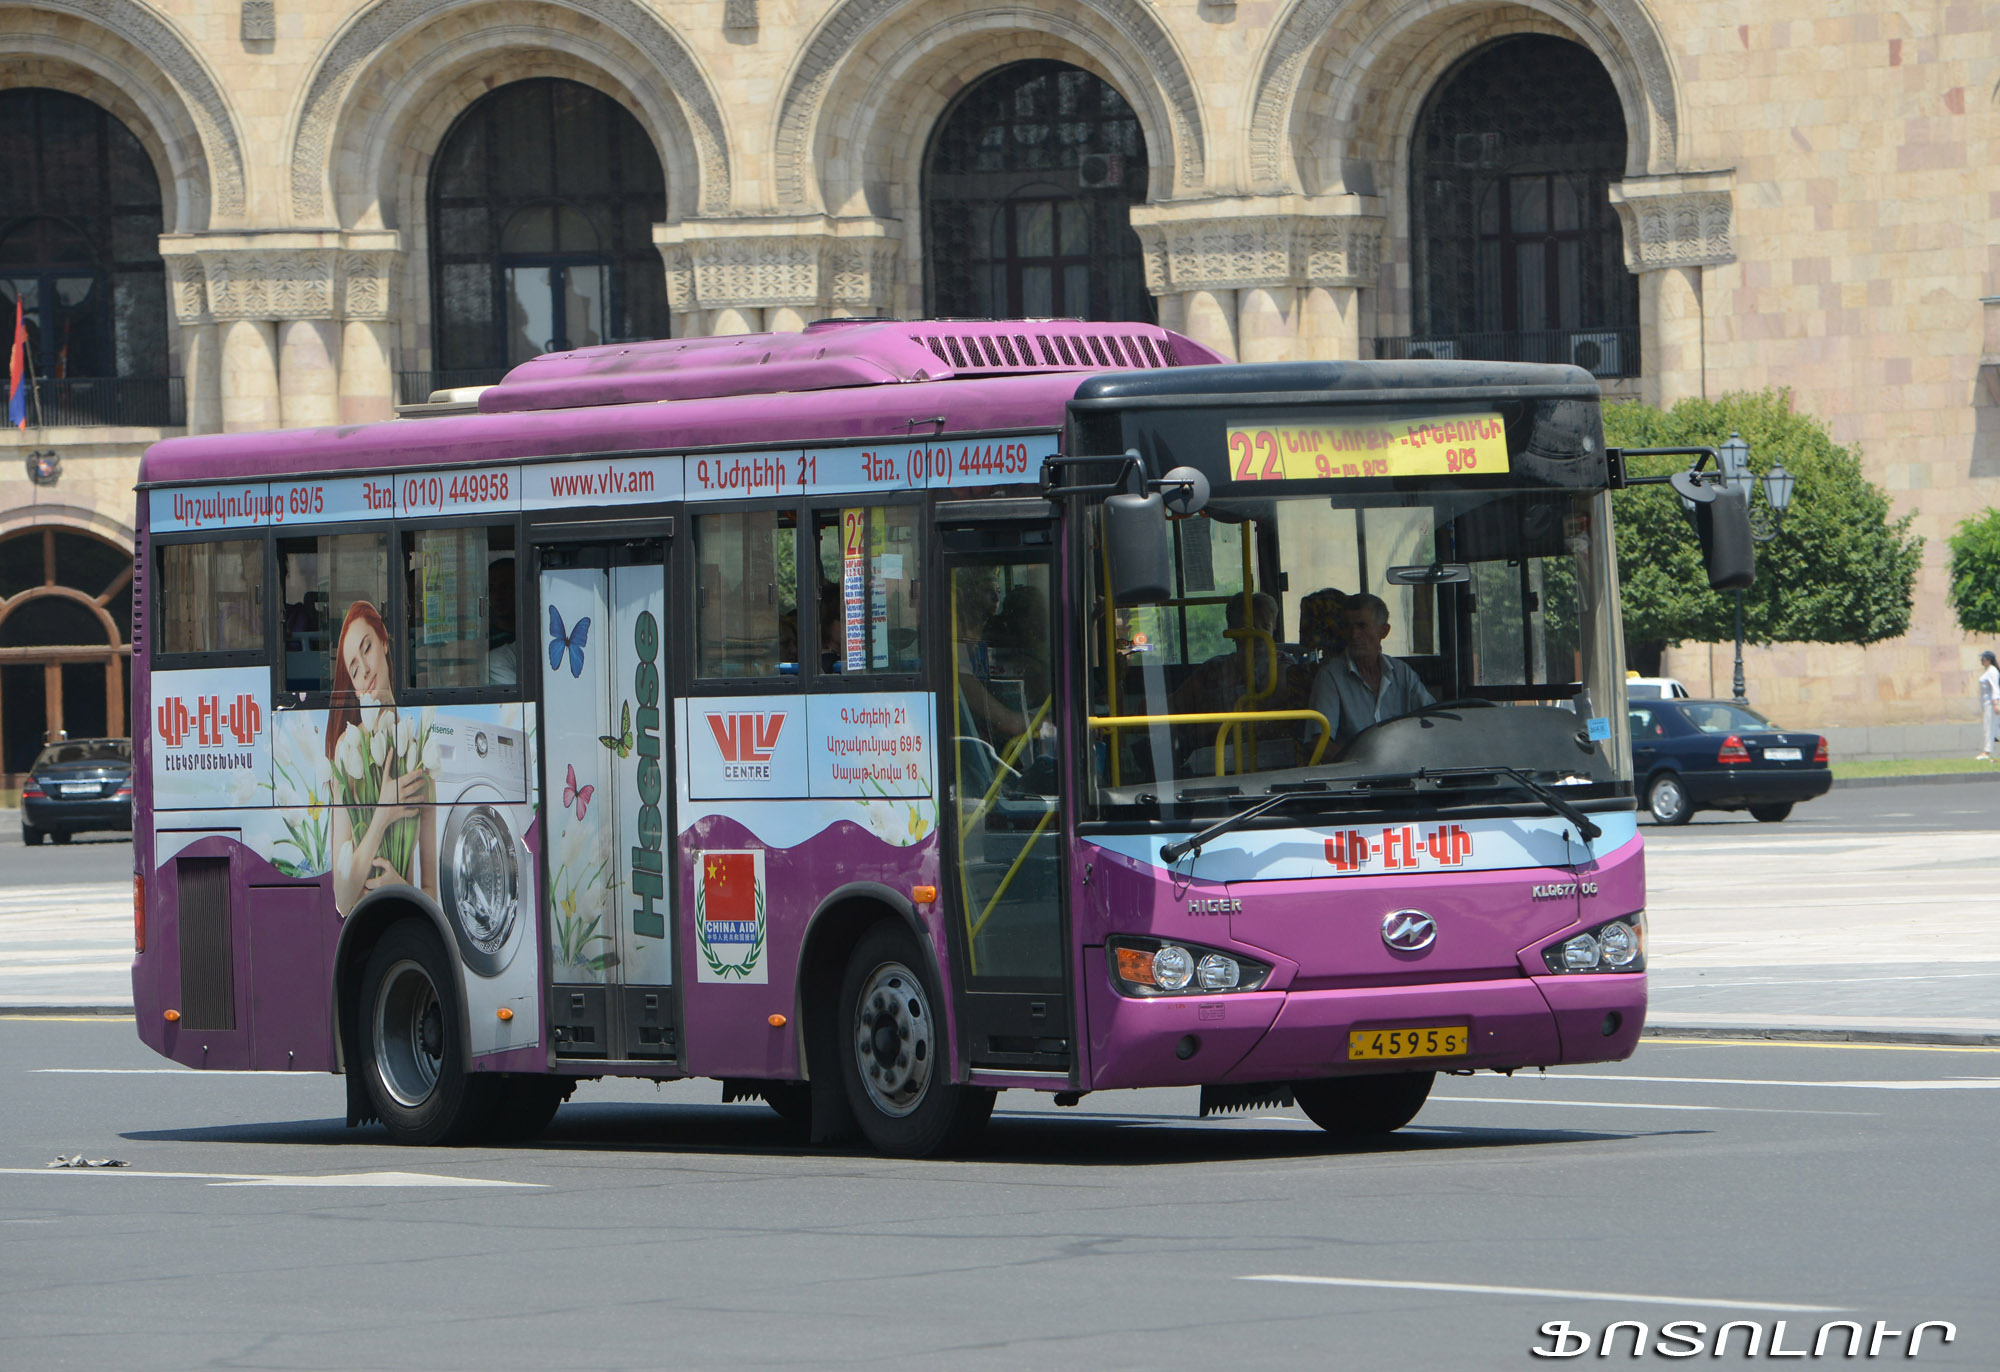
<point>154,73</point>
<point>1340,82</point>
<point>43,50</point>
<point>376,79</point>
<point>864,88</point>
<point>65,638</point>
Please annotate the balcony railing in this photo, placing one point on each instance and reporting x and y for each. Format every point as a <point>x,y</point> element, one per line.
<point>129,402</point>
<point>414,388</point>
<point>1605,353</point>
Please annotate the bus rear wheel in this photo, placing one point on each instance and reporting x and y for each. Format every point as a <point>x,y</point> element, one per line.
<point>414,1046</point>
<point>892,1052</point>
<point>1364,1107</point>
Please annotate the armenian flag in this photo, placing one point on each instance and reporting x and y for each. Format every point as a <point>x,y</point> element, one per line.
<point>17,371</point>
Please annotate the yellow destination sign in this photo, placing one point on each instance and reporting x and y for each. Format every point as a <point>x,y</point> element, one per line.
<point>1474,443</point>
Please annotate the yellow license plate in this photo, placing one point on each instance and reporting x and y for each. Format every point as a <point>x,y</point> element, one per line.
<point>1443,1041</point>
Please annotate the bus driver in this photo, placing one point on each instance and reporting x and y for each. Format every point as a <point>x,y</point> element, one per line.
<point>1364,685</point>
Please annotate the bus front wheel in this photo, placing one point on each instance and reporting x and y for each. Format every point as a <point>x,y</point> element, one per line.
<point>414,1042</point>
<point>1364,1107</point>
<point>893,1058</point>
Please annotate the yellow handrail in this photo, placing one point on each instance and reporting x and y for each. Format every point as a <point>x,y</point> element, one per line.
<point>1048,817</point>
<point>1227,719</point>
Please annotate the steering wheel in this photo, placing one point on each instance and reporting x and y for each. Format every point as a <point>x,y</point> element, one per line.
<point>1463,702</point>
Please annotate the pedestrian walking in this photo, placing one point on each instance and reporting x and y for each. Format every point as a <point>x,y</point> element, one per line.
<point>1989,702</point>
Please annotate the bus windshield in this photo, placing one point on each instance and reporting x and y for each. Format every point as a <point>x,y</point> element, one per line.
<point>1345,641</point>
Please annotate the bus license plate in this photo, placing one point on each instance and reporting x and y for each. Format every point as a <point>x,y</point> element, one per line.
<point>1444,1041</point>
<point>1783,755</point>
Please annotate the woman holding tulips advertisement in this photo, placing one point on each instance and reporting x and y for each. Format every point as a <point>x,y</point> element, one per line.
<point>384,830</point>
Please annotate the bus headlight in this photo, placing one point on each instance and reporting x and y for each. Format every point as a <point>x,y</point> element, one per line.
<point>1166,967</point>
<point>1617,945</point>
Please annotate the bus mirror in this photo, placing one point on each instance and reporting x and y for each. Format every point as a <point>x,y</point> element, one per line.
<point>1139,548</point>
<point>1185,490</point>
<point>1722,525</point>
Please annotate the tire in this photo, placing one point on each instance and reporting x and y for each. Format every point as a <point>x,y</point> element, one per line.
<point>890,1034</point>
<point>792,1100</point>
<point>1364,1107</point>
<point>1667,801</point>
<point>32,837</point>
<point>525,1106</point>
<point>61,835</point>
<point>1771,814</point>
<point>413,1048</point>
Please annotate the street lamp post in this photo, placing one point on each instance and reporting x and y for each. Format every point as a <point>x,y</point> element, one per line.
<point>1778,485</point>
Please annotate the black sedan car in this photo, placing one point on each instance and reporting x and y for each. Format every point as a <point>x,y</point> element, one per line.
<point>1690,755</point>
<point>78,784</point>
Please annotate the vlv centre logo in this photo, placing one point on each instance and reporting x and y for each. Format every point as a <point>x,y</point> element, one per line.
<point>746,742</point>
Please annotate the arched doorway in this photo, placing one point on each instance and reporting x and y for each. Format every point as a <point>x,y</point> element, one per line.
<point>542,204</point>
<point>1517,247</point>
<point>80,221</point>
<point>1028,186</point>
<point>65,642</point>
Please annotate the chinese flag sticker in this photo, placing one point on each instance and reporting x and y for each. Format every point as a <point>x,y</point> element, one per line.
<point>729,924</point>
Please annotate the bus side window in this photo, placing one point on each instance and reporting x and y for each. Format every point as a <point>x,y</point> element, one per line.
<point>322,577</point>
<point>459,594</point>
<point>867,589</point>
<point>747,612</point>
<point>211,597</point>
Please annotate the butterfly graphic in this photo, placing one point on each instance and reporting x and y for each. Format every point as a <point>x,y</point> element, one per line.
<point>574,794</point>
<point>573,640</point>
<point>620,742</point>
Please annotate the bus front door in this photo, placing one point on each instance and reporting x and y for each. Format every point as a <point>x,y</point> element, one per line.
<point>606,800</point>
<point>1004,851</point>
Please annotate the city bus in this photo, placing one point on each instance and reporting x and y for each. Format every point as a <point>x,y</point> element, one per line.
<point>879,717</point>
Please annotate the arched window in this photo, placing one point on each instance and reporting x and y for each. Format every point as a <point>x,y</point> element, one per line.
<point>543,200</point>
<point>80,224</point>
<point>1027,191</point>
<point>1517,247</point>
<point>65,641</point>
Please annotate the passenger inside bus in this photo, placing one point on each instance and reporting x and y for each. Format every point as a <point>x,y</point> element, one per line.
<point>1362,685</point>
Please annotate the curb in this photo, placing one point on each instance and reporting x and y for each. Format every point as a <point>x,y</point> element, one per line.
<point>1950,1038</point>
<point>1920,779</point>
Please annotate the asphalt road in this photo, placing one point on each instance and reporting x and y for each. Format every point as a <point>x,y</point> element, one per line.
<point>1934,805</point>
<point>1804,1183</point>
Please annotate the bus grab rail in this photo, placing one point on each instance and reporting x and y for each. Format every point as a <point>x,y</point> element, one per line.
<point>1227,719</point>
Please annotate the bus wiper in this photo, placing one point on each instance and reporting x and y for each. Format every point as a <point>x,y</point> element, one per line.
<point>1174,852</point>
<point>1584,825</point>
<point>1318,790</point>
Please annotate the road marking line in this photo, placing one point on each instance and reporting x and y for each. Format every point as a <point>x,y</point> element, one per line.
<point>167,1072</point>
<point>1937,1084</point>
<point>1640,1105</point>
<point>392,1179</point>
<point>1621,1297</point>
<point>1822,1043</point>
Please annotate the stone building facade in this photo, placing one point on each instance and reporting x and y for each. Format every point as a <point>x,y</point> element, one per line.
<point>1795,195</point>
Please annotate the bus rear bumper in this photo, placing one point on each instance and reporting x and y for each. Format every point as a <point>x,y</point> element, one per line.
<point>1290,1036</point>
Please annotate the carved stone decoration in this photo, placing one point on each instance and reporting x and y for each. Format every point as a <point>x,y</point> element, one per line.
<point>367,283</point>
<point>187,286</point>
<point>372,31</point>
<point>281,276</point>
<point>1244,244</point>
<point>851,22</point>
<point>146,31</point>
<point>813,264</point>
<point>1676,221</point>
<point>260,21</point>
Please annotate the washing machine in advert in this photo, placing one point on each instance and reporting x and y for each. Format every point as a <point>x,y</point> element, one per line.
<point>484,871</point>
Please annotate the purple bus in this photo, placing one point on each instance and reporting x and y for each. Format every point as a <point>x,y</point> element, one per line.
<point>883,716</point>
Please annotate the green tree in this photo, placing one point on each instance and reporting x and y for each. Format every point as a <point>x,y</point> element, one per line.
<point>1840,571</point>
<point>1975,574</point>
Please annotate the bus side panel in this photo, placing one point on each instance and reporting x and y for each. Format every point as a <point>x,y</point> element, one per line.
<point>291,978</point>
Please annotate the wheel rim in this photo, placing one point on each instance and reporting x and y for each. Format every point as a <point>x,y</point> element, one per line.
<point>892,1039</point>
<point>1667,800</point>
<point>409,1033</point>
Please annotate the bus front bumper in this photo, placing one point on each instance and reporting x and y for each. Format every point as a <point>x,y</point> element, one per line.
<point>1296,1035</point>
